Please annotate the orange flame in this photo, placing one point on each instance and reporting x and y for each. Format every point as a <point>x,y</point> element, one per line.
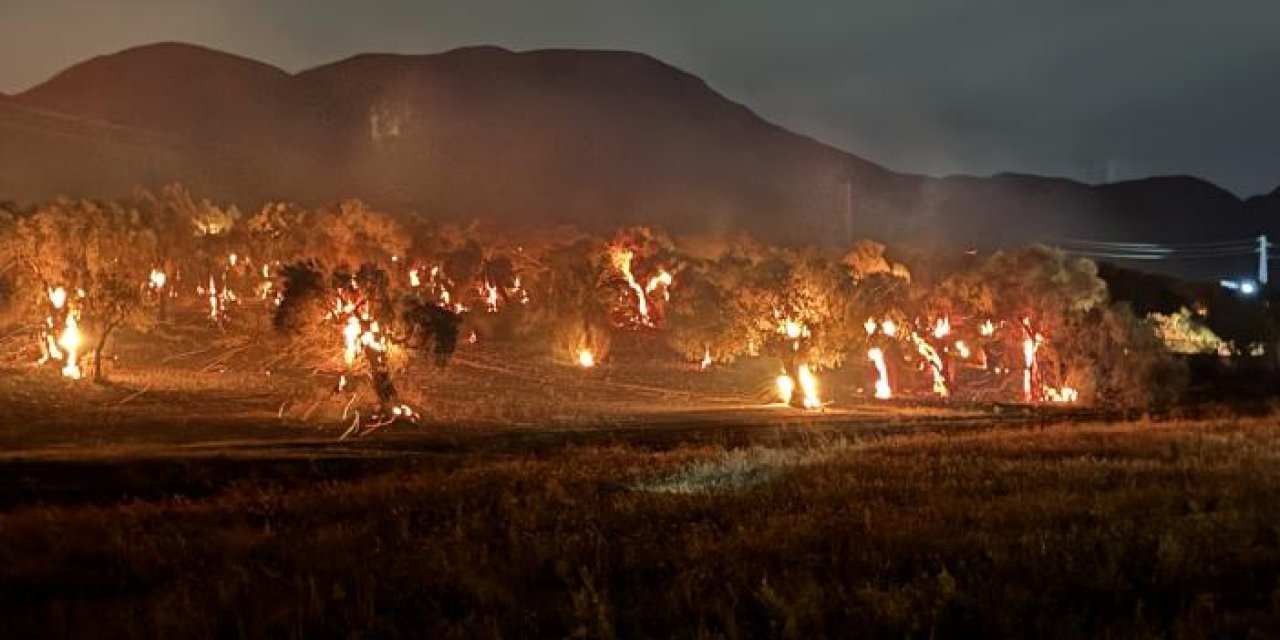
<point>935,364</point>
<point>883,392</point>
<point>808,385</point>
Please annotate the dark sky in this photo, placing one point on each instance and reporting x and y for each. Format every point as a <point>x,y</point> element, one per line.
<point>1092,90</point>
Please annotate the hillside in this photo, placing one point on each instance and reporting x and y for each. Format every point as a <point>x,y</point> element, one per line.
<point>593,138</point>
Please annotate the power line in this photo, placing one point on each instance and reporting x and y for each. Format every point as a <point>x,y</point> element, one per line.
<point>1157,247</point>
<point>1172,256</point>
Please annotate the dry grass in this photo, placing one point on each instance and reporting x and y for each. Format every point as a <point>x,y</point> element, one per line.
<point>1140,530</point>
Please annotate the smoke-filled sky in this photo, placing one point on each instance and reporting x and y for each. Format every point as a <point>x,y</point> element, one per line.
<point>1093,89</point>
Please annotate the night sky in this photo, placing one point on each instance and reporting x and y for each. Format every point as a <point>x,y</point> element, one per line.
<point>1091,90</point>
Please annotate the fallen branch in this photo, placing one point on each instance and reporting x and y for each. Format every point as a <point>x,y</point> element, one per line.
<point>135,394</point>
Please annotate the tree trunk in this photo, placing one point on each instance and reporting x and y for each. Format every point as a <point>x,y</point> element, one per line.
<point>381,376</point>
<point>98,376</point>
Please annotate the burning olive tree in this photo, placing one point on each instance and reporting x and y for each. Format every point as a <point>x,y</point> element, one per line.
<point>86,263</point>
<point>573,303</point>
<point>358,315</point>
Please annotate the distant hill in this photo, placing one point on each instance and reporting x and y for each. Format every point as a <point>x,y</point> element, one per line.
<point>593,138</point>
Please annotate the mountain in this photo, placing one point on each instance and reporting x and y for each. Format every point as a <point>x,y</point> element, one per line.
<point>593,138</point>
<point>43,153</point>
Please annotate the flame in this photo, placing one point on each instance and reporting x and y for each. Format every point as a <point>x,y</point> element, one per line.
<point>586,359</point>
<point>963,349</point>
<point>232,259</point>
<point>158,279</point>
<point>793,330</point>
<point>706,359</point>
<point>491,297</point>
<point>219,298</point>
<point>786,387</point>
<point>935,364</point>
<point>1065,394</point>
<point>267,286</point>
<point>621,258</point>
<point>70,342</point>
<point>987,328</point>
<point>664,280</point>
<point>942,327</point>
<point>809,386</point>
<point>518,292</point>
<point>1029,347</point>
<point>63,345</point>
<point>870,325</point>
<point>883,392</point>
<point>889,328</point>
<point>415,280</point>
<point>213,300</point>
<point>351,339</point>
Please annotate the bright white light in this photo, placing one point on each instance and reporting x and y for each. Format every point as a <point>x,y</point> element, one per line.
<point>1248,288</point>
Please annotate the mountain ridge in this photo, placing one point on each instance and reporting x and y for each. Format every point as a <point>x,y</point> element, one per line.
<point>596,138</point>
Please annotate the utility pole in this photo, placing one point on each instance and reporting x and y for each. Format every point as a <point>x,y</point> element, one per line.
<point>1262,260</point>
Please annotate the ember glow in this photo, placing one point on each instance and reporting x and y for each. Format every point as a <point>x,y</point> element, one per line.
<point>1063,395</point>
<point>586,358</point>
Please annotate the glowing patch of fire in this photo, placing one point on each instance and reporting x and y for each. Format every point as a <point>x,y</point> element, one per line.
<point>70,342</point>
<point>62,344</point>
<point>942,327</point>
<point>809,386</point>
<point>1029,347</point>
<point>621,259</point>
<point>586,359</point>
<point>158,279</point>
<point>931,356</point>
<point>786,387</point>
<point>883,392</point>
<point>1065,394</point>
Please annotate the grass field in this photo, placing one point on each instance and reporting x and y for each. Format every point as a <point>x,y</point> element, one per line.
<point>637,500</point>
<point>1139,530</point>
